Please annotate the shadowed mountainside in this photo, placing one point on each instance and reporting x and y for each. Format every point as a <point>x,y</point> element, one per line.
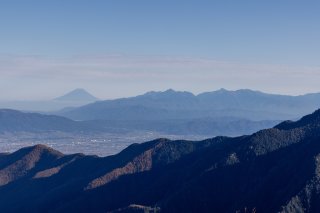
<point>273,170</point>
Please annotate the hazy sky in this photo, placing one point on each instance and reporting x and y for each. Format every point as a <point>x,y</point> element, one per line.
<point>116,48</point>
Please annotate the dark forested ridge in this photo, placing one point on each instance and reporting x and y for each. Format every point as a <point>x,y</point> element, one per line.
<point>273,170</point>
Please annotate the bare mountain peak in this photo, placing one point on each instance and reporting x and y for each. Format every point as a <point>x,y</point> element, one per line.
<point>39,149</point>
<point>222,90</point>
<point>77,95</point>
<point>168,93</point>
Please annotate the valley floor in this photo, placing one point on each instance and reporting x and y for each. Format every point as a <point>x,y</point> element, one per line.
<point>101,144</point>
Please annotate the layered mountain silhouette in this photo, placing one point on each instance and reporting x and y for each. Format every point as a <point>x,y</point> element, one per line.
<point>272,170</point>
<point>75,98</point>
<point>16,121</point>
<point>170,104</point>
<point>208,114</point>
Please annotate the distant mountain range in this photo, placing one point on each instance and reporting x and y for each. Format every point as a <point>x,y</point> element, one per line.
<point>273,170</point>
<point>170,104</point>
<point>75,98</point>
<point>221,112</point>
<point>245,104</point>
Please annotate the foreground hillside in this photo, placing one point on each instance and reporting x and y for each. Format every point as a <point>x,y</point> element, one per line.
<point>273,170</point>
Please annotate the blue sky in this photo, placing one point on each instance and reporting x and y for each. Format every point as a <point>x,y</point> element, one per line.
<point>153,39</point>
